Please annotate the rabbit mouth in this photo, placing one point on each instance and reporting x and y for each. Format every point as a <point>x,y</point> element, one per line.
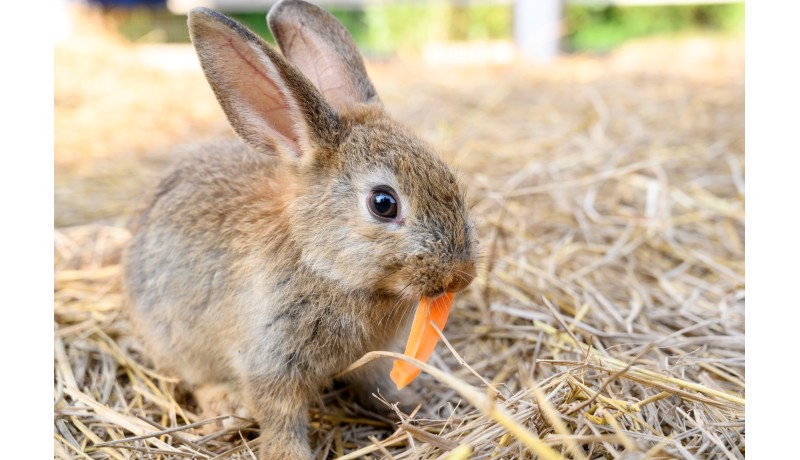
<point>415,276</point>
<point>455,278</point>
<point>411,291</point>
<point>431,294</point>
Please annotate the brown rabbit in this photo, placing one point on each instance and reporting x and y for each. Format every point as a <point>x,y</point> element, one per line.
<point>268,266</point>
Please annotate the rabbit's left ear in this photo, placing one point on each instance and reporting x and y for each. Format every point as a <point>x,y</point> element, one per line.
<point>268,101</point>
<point>319,45</point>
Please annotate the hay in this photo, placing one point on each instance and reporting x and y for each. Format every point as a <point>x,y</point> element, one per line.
<point>608,316</point>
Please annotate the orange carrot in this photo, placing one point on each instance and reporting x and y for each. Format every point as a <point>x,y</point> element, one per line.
<point>423,337</point>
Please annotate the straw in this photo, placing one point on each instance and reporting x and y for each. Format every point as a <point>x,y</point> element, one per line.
<point>607,319</point>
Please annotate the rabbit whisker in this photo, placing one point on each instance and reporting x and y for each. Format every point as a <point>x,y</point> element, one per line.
<point>390,314</point>
<point>388,275</point>
<point>407,307</point>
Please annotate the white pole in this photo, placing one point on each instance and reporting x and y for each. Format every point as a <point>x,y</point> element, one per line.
<point>537,29</point>
<point>63,20</point>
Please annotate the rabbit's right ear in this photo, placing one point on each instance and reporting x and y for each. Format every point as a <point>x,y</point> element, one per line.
<point>266,100</point>
<point>319,45</point>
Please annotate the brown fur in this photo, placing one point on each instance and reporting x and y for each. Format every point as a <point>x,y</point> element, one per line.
<point>266,272</point>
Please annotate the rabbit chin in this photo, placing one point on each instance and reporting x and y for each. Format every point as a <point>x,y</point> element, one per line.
<point>404,284</point>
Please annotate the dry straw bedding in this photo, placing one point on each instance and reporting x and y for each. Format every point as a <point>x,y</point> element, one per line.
<point>608,317</point>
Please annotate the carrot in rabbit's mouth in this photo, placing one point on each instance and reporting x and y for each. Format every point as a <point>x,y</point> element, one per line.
<point>423,337</point>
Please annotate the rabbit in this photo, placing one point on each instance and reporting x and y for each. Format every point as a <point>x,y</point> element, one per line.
<point>268,263</point>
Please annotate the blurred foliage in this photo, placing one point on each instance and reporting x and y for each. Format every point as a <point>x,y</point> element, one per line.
<point>390,27</point>
<point>149,25</point>
<point>386,28</point>
<point>597,28</point>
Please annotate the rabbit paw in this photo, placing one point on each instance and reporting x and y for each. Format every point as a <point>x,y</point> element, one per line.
<point>217,400</point>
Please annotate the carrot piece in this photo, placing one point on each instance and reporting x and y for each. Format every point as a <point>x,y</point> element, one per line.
<point>423,337</point>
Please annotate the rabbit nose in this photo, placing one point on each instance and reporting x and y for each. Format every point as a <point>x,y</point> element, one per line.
<point>463,274</point>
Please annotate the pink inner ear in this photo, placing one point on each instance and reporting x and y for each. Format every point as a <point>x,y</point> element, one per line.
<point>321,64</point>
<point>265,110</point>
<point>248,86</point>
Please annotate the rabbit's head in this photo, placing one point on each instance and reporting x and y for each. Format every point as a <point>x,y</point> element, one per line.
<point>370,205</point>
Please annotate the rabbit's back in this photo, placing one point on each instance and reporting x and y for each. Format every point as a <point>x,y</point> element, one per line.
<point>219,206</point>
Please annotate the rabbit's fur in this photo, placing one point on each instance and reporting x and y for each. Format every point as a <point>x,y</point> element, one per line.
<point>258,264</point>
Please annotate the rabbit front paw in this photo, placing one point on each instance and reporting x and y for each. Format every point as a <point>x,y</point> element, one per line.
<point>217,400</point>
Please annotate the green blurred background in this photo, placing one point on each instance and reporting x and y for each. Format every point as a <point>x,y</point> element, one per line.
<point>385,29</point>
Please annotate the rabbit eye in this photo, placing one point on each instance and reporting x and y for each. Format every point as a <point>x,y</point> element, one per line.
<point>383,204</point>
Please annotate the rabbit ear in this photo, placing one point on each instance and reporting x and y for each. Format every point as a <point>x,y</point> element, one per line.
<point>318,44</point>
<point>264,97</point>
